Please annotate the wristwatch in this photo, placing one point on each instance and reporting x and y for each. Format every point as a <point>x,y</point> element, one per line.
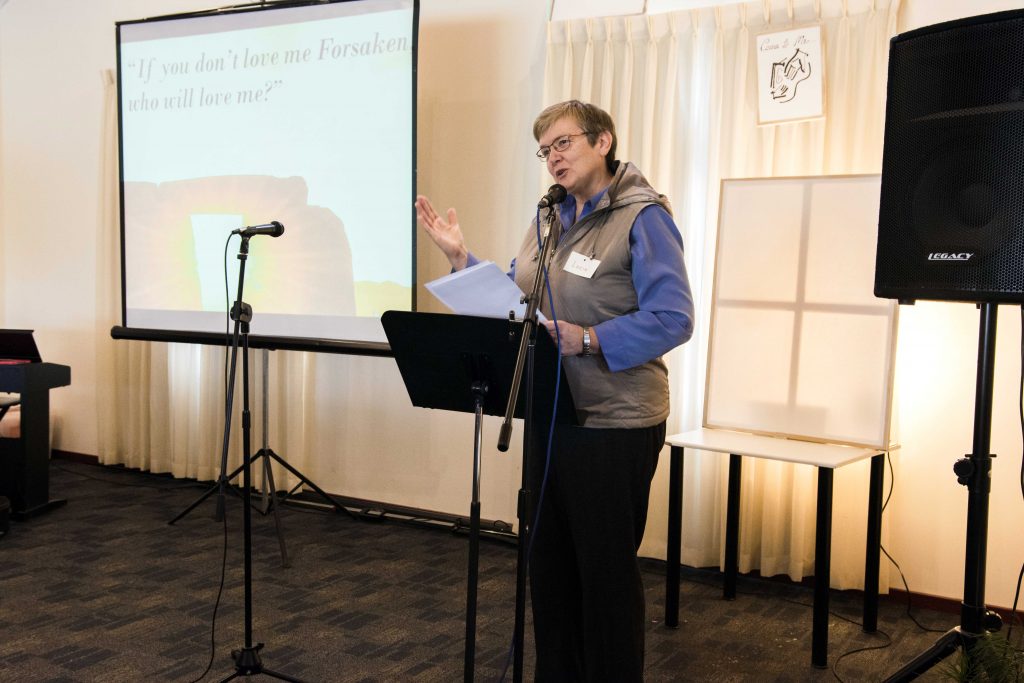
<point>586,342</point>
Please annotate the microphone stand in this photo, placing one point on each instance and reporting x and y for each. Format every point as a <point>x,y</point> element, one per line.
<point>247,659</point>
<point>525,359</point>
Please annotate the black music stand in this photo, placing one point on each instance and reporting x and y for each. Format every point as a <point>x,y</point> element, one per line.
<point>466,364</point>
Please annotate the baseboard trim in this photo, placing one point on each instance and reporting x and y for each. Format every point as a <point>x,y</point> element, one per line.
<point>941,604</point>
<point>83,458</point>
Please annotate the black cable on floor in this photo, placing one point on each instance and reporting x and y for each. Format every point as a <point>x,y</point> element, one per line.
<point>888,638</point>
<point>216,604</point>
<point>869,648</point>
<point>903,578</point>
<point>835,663</point>
<point>907,590</point>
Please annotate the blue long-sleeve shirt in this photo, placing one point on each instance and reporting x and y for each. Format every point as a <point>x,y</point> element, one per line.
<point>664,315</point>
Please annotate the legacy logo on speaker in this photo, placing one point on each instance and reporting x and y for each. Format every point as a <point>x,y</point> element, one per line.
<point>943,256</point>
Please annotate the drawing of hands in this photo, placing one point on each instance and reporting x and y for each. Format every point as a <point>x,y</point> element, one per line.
<point>786,75</point>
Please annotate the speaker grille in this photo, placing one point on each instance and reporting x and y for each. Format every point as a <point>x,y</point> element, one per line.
<point>951,219</point>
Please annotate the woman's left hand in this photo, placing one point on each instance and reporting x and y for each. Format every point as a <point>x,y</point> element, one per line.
<point>571,337</point>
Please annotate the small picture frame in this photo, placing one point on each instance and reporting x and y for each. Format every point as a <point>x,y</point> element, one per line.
<point>790,75</point>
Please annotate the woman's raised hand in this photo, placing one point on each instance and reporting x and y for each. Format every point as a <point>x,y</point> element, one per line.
<point>445,233</point>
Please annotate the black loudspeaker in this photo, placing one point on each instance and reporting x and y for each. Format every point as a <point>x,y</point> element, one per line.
<point>951,215</point>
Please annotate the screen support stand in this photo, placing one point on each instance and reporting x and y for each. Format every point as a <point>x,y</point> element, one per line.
<point>974,472</point>
<point>270,500</point>
<point>268,495</point>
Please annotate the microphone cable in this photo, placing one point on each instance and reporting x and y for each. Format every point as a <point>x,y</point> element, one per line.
<point>224,554</point>
<point>227,313</point>
<point>216,605</point>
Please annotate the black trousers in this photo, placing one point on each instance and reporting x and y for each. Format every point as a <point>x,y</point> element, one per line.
<point>585,585</point>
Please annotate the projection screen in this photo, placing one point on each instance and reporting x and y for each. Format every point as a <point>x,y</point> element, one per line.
<point>302,113</point>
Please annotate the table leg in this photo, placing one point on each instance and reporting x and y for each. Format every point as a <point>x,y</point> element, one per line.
<point>822,569</point>
<point>874,543</point>
<point>732,527</point>
<point>675,529</point>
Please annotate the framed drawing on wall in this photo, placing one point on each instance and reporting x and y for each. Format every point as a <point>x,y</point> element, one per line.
<point>790,75</point>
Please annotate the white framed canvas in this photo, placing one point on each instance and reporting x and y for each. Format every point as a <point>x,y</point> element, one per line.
<point>799,345</point>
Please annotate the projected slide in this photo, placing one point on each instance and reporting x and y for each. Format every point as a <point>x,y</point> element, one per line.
<point>302,115</point>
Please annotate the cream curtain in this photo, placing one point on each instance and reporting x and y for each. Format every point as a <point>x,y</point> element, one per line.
<point>681,88</point>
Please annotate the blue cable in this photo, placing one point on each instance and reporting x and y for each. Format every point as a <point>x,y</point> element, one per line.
<point>554,410</point>
<point>551,429</point>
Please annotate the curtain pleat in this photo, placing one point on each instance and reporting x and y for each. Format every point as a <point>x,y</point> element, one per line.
<point>607,67</point>
<point>587,77</point>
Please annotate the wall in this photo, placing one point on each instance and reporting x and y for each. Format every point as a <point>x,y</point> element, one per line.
<point>481,66</point>
<point>53,53</point>
<point>917,13</point>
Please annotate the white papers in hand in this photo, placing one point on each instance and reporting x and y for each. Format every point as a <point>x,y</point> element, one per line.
<point>482,289</point>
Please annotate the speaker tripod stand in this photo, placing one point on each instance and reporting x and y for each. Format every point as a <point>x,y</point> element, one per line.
<point>974,472</point>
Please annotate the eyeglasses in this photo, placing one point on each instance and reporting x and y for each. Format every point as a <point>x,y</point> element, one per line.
<point>560,145</point>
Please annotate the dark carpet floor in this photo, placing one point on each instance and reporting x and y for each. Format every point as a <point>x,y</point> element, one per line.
<point>104,589</point>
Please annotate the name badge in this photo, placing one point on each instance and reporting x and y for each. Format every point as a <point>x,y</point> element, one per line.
<point>581,265</point>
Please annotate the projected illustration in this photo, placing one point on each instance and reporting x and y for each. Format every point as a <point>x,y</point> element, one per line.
<point>178,257</point>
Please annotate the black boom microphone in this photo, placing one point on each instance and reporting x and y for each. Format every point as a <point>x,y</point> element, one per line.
<point>274,229</point>
<point>556,194</point>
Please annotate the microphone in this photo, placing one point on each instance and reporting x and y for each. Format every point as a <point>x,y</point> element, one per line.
<point>556,193</point>
<point>274,229</point>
